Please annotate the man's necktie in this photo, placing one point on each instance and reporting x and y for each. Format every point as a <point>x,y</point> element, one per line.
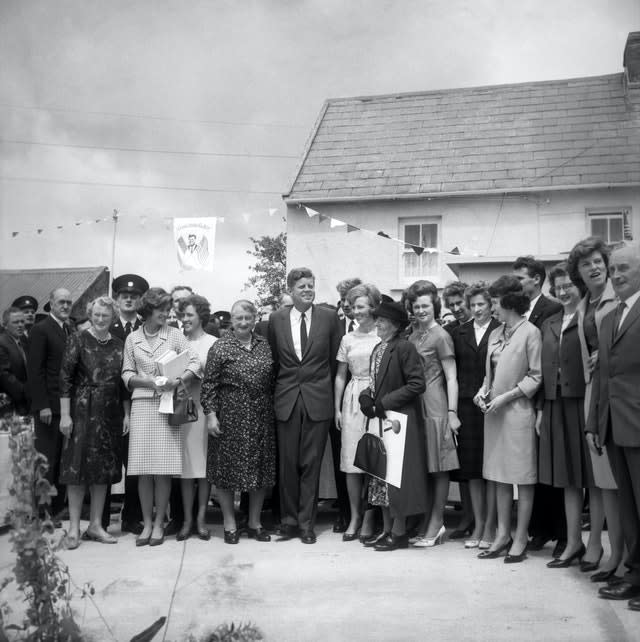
<point>352,325</point>
<point>303,333</point>
<point>127,328</point>
<point>66,329</point>
<point>618,317</point>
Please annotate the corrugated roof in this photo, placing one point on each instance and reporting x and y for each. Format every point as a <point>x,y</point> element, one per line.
<point>575,132</point>
<point>40,283</point>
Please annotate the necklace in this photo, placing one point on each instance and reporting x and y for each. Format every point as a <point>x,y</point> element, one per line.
<point>98,339</point>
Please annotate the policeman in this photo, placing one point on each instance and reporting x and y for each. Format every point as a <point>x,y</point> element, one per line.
<point>127,291</point>
<point>28,305</point>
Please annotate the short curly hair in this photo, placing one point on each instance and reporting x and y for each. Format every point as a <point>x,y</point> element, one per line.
<point>105,302</point>
<point>508,289</point>
<point>424,288</point>
<point>456,288</point>
<point>367,290</point>
<point>200,305</point>
<point>583,249</point>
<point>153,299</point>
<point>478,288</point>
<point>347,284</point>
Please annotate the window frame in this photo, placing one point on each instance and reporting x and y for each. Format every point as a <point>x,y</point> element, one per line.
<point>419,220</point>
<point>608,213</point>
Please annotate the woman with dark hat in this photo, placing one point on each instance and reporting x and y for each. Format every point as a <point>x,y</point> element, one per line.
<point>396,383</point>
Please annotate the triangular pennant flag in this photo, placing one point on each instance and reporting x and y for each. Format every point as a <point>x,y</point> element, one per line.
<point>310,213</point>
<point>99,220</point>
<point>455,251</point>
<point>59,227</point>
<point>383,234</point>
<point>417,249</point>
<point>39,230</point>
<point>322,217</point>
<point>14,234</point>
<point>246,217</point>
<point>78,223</point>
<point>352,228</point>
<point>337,223</point>
<point>272,211</point>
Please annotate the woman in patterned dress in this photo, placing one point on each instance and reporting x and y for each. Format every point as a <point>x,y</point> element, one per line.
<point>354,353</point>
<point>93,418</point>
<point>155,447</point>
<point>195,311</point>
<point>440,405</point>
<point>237,398</point>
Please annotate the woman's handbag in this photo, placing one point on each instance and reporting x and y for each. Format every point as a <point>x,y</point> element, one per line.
<point>185,410</point>
<point>371,455</point>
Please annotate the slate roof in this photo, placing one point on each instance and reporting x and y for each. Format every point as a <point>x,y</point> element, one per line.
<point>575,133</point>
<point>40,283</point>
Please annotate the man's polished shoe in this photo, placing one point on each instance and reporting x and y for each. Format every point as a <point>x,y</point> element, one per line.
<point>132,527</point>
<point>622,591</point>
<point>308,536</point>
<point>286,532</point>
<point>392,542</point>
<point>559,548</point>
<point>341,524</point>
<point>634,604</point>
<point>172,528</point>
<point>259,534</point>
<point>537,543</point>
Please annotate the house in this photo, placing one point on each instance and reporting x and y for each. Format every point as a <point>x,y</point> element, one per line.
<point>465,180</point>
<point>85,284</point>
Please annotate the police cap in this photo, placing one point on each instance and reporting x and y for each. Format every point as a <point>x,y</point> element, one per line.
<point>129,283</point>
<point>24,302</point>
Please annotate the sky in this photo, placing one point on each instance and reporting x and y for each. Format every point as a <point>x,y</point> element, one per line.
<point>235,88</point>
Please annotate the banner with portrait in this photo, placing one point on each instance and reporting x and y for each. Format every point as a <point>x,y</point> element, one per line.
<point>195,242</point>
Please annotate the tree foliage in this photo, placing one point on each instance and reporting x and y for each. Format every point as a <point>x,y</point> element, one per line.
<point>269,276</point>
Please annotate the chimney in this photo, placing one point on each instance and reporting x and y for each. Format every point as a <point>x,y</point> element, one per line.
<point>631,59</point>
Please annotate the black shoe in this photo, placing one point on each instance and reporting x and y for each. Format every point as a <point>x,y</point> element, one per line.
<point>341,524</point>
<point>537,543</point>
<point>231,537</point>
<point>370,542</point>
<point>559,548</point>
<point>491,555</point>
<point>515,559</point>
<point>157,541</point>
<point>350,537</point>
<point>203,534</point>
<point>622,591</point>
<point>462,533</point>
<point>259,534</point>
<point>588,567</point>
<point>183,535</point>
<point>604,576</point>
<point>132,527</point>
<point>308,536</point>
<point>634,604</point>
<point>286,532</point>
<point>172,528</point>
<point>392,542</point>
<point>566,563</point>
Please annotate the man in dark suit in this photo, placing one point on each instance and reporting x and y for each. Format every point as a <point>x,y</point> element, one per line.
<point>304,340</point>
<point>127,290</point>
<point>47,342</point>
<point>13,360</point>
<point>613,420</point>
<point>547,517</point>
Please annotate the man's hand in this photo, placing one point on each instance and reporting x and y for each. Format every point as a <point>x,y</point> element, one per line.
<point>66,425</point>
<point>593,440</point>
<point>338,420</point>
<point>538,422</point>
<point>46,416</point>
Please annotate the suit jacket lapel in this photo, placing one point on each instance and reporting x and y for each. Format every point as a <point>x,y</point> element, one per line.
<point>286,323</point>
<point>469,334</point>
<point>630,319</point>
<point>313,330</point>
<point>556,327</point>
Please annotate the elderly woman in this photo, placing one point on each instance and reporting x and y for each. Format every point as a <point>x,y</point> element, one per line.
<point>353,356</point>
<point>512,379</point>
<point>155,447</point>
<point>588,267</point>
<point>440,405</point>
<point>195,311</point>
<point>470,342</point>
<point>93,417</point>
<point>237,398</point>
<point>563,458</point>
<point>397,383</point>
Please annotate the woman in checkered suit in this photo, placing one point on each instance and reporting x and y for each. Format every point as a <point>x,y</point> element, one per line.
<point>155,447</point>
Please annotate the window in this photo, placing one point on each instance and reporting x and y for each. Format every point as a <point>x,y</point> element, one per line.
<point>420,233</point>
<point>611,226</point>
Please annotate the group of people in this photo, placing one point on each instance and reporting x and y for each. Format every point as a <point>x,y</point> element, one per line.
<point>519,390</point>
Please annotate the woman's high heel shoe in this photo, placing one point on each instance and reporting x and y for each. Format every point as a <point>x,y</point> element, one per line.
<point>491,555</point>
<point>588,567</point>
<point>428,542</point>
<point>566,563</point>
<point>232,537</point>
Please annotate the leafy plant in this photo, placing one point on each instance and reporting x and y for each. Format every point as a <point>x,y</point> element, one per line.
<point>269,278</point>
<point>246,632</point>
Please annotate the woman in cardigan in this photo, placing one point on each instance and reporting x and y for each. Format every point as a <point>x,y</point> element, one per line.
<point>512,379</point>
<point>563,460</point>
<point>587,265</point>
<point>397,381</point>
<point>470,341</point>
<point>155,447</point>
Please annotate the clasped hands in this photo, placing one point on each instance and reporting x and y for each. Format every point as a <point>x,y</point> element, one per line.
<point>495,404</point>
<point>370,408</point>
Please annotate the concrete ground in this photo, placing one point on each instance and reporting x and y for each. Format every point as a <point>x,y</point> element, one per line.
<point>335,591</point>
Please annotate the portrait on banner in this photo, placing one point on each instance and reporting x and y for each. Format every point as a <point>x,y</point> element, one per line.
<point>195,242</point>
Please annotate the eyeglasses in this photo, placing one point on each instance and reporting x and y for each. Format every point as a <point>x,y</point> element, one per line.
<point>564,288</point>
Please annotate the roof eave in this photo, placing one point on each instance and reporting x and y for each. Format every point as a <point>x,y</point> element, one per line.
<point>461,193</point>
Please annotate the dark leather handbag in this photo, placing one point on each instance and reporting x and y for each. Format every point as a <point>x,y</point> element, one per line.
<point>185,410</point>
<point>371,455</point>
